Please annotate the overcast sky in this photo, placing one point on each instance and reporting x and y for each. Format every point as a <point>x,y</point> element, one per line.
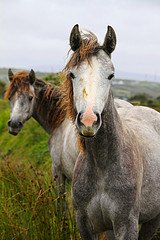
<point>34,33</point>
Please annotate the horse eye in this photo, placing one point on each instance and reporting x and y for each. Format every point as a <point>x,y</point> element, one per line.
<point>30,98</point>
<point>110,76</point>
<point>71,75</point>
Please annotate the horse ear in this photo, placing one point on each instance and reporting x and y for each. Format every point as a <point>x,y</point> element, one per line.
<point>32,77</point>
<point>109,41</point>
<point>75,38</point>
<point>10,74</point>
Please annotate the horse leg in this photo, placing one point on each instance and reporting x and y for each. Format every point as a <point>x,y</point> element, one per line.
<point>126,228</point>
<point>149,228</point>
<point>60,186</point>
<point>85,227</point>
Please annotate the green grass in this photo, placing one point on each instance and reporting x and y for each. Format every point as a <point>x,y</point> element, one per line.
<point>29,205</point>
<point>28,201</point>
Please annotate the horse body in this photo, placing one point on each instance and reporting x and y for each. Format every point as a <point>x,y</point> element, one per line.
<point>116,182</point>
<point>63,149</point>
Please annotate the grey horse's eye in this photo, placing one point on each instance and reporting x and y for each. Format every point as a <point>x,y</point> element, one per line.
<point>110,76</point>
<point>30,98</point>
<point>71,75</point>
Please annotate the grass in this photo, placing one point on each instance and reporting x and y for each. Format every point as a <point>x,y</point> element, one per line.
<point>28,201</point>
<point>29,205</point>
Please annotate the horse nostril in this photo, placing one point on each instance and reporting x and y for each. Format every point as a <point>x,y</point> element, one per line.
<point>20,124</point>
<point>98,119</point>
<point>14,124</point>
<point>79,117</point>
<point>9,123</point>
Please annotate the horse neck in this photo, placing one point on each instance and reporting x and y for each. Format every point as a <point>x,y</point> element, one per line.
<point>46,111</point>
<point>39,116</point>
<point>105,146</point>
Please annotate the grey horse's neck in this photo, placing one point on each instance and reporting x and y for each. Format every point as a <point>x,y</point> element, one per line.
<point>104,147</point>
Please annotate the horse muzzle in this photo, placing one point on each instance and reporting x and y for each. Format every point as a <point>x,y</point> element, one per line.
<point>88,125</point>
<point>14,127</point>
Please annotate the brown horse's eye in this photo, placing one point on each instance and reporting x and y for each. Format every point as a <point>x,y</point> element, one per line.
<point>110,76</point>
<point>30,98</point>
<point>71,75</point>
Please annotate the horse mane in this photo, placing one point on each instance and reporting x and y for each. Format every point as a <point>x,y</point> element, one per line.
<point>89,47</point>
<point>19,83</point>
<point>49,99</point>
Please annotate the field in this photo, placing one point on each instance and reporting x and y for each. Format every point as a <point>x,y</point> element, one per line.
<point>28,201</point>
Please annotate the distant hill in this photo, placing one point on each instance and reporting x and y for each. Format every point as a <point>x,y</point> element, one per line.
<point>128,88</point>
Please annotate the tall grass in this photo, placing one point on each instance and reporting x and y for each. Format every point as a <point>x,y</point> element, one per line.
<point>28,205</point>
<point>28,195</point>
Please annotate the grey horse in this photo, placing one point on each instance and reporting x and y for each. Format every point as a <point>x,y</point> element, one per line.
<point>116,182</point>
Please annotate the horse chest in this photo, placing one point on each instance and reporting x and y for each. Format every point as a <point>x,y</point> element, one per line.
<point>99,210</point>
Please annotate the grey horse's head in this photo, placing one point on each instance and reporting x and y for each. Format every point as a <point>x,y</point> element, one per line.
<point>89,74</point>
<point>21,95</point>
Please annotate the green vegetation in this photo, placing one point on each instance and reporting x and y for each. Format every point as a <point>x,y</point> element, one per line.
<point>28,201</point>
<point>2,89</point>
<point>146,100</point>
<point>53,78</point>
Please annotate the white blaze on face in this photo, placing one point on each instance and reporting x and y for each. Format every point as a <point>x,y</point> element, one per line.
<point>91,87</point>
<point>21,106</point>
<point>16,109</point>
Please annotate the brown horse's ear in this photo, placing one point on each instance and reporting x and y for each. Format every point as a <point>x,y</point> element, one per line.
<point>32,77</point>
<point>109,41</point>
<point>10,74</point>
<point>75,38</point>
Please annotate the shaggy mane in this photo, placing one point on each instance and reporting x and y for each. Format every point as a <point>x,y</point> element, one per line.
<point>88,48</point>
<point>49,99</point>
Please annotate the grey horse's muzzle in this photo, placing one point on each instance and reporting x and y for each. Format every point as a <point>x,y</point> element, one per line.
<point>88,130</point>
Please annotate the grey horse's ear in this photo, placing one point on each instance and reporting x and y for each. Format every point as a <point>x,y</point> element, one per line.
<point>109,41</point>
<point>10,74</point>
<point>75,38</point>
<point>32,77</point>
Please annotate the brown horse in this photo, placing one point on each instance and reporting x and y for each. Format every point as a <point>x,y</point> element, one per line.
<point>116,182</point>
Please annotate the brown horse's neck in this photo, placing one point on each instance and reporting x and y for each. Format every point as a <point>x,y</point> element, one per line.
<point>107,142</point>
<point>47,110</point>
